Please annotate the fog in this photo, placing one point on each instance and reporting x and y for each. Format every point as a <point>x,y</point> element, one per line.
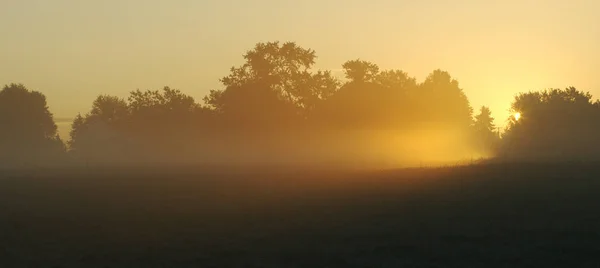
<point>275,110</point>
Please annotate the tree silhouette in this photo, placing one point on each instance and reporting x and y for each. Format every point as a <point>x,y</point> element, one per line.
<point>391,99</point>
<point>357,105</point>
<point>378,101</point>
<point>310,89</point>
<point>271,63</point>
<point>554,123</point>
<point>360,70</point>
<point>284,69</point>
<point>396,79</point>
<point>485,130</point>
<point>155,113</point>
<point>444,100</point>
<point>149,124</point>
<point>275,103</point>
<point>28,133</point>
<point>168,100</point>
<point>109,109</point>
<point>255,106</point>
<point>484,122</point>
<point>99,135</point>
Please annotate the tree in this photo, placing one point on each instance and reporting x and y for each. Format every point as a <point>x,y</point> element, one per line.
<point>110,111</point>
<point>397,80</point>
<point>168,100</point>
<point>357,105</point>
<point>284,69</point>
<point>272,64</point>
<point>309,89</point>
<point>155,113</point>
<point>150,124</point>
<point>484,128</point>
<point>28,130</point>
<point>370,99</point>
<point>554,123</point>
<point>360,71</point>
<point>100,134</point>
<point>484,122</point>
<point>399,97</point>
<point>443,101</point>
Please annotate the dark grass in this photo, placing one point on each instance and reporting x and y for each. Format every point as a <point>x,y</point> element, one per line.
<point>495,215</point>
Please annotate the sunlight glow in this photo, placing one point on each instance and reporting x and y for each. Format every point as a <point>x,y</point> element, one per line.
<point>517,116</point>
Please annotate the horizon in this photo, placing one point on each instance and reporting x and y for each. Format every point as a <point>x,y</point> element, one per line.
<point>115,47</point>
<point>278,133</point>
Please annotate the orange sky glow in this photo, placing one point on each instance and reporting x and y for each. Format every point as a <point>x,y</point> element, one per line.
<point>73,50</point>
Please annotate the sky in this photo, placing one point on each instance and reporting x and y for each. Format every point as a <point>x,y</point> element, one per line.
<point>73,50</point>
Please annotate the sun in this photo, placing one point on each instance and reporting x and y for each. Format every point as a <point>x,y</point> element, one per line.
<point>517,116</point>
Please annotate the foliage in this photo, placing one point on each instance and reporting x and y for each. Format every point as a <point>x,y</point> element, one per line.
<point>284,69</point>
<point>275,97</point>
<point>28,133</point>
<point>485,131</point>
<point>554,123</point>
<point>360,70</point>
<point>115,129</point>
<point>445,100</point>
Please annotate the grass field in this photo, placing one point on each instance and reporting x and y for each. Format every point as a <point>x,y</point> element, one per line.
<point>494,215</point>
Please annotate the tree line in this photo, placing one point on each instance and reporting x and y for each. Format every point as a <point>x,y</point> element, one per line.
<point>276,105</point>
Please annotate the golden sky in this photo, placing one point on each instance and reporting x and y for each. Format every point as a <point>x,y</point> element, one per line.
<point>73,50</point>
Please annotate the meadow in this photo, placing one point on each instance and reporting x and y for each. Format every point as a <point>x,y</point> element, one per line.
<point>484,215</point>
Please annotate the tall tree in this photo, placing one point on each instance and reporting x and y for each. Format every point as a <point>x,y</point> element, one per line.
<point>150,124</point>
<point>154,112</point>
<point>396,79</point>
<point>442,100</point>
<point>272,63</point>
<point>360,70</point>
<point>370,99</point>
<point>100,133</point>
<point>309,89</point>
<point>485,132</point>
<point>28,130</point>
<point>166,100</point>
<point>284,69</point>
<point>24,114</point>
<point>110,109</point>
<point>554,123</point>
<point>484,122</point>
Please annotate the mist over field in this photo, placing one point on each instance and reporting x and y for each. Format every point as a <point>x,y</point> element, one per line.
<point>288,168</point>
<point>309,134</point>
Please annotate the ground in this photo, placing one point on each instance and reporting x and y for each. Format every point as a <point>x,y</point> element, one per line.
<point>488,215</point>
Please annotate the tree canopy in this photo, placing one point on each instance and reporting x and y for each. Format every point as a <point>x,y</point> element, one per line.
<point>554,123</point>
<point>28,133</point>
<point>276,104</point>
